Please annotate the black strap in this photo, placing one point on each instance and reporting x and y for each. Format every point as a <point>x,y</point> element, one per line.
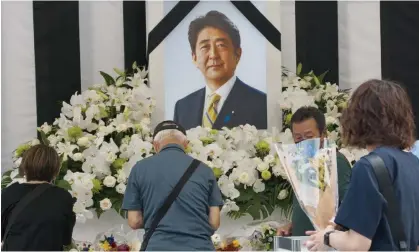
<point>386,188</point>
<point>169,201</point>
<point>22,204</point>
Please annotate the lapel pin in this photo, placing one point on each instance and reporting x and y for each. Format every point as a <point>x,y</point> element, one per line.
<point>232,112</point>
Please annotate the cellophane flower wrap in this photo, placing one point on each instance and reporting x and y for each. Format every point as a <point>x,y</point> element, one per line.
<point>116,239</point>
<point>312,171</point>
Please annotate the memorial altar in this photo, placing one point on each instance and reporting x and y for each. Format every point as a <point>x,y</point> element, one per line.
<point>105,130</point>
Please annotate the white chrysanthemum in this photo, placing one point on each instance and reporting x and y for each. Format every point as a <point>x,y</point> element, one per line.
<point>269,159</point>
<point>53,140</point>
<point>83,142</point>
<point>244,178</point>
<point>213,150</point>
<point>279,171</point>
<point>111,157</point>
<point>46,128</point>
<point>304,83</point>
<point>77,156</point>
<point>105,204</point>
<point>263,166</point>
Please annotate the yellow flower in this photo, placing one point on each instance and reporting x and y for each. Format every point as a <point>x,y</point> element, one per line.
<point>106,246</point>
<point>236,243</point>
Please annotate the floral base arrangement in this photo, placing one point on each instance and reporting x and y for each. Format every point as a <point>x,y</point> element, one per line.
<point>102,132</point>
<point>262,238</point>
<point>226,244</point>
<point>109,244</point>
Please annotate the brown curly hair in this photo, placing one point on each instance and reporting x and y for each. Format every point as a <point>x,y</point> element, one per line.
<point>379,113</point>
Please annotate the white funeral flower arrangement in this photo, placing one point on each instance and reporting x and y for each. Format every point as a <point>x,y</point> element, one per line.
<point>102,132</point>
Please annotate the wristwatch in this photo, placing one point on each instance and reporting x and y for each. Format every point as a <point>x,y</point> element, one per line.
<point>326,238</point>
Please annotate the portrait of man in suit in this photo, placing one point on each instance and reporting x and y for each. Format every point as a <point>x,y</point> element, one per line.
<point>225,101</point>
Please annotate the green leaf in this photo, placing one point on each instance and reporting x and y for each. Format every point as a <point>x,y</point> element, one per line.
<point>316,80</point>
<point>269,209</point>
<point>108,79</point>
<point>118,138</point>
<point>64,167</point>
<point>63,184</point>
<point>254,210</point>
<point>299,68</point>
<point>321,77</point>
<point>117,205</point>
<point>7,173</point>
<point>5,181</point>
<point>134,65</point>
<point>236,214</point>
<point>245,196</point>
<point>99,212</point>
<point>43,138</point>
<point>118,71</point>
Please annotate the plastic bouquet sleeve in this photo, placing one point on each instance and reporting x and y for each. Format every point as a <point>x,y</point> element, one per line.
<point>311,168</point>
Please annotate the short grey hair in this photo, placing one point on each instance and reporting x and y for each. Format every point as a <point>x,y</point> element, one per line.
<point>173,133</point>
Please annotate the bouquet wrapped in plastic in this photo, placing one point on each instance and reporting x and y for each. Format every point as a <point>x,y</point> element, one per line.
<point>312,171</point>
<point>227,243</point>
<point>116,239</point>
<point>262,237</point>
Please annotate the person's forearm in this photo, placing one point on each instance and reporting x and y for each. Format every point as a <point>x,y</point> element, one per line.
<point>339,241</point>
<point>344,241</point>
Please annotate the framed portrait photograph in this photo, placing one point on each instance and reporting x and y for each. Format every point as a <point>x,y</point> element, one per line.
<point>215,69</point>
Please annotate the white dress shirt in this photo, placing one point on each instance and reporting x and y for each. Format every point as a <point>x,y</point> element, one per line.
<point>222,91</point>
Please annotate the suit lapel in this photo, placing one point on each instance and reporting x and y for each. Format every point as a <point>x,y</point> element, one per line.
<point>226,115</point>
<point>197,111</point>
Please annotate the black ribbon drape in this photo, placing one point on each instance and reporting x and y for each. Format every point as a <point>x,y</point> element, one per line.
<point>183,8</point>
<point>168,24</point>
<point>260,22</point>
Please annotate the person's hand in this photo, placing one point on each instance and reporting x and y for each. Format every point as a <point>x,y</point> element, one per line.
<point>316,240</point>
<point>284,230</point>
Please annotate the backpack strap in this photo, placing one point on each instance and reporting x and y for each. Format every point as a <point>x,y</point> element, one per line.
<point>386,188</point>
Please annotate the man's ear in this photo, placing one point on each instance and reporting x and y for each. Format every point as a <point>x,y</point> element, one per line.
<point>194,60</point>
<point>185,144</point>
<point>156,146</point>
<point>238,54</point>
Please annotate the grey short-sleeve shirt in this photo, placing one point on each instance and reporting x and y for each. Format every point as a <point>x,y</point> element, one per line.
<point>185,227</point>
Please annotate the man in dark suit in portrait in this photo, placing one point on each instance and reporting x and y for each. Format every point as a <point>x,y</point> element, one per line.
<point>226,100</point>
